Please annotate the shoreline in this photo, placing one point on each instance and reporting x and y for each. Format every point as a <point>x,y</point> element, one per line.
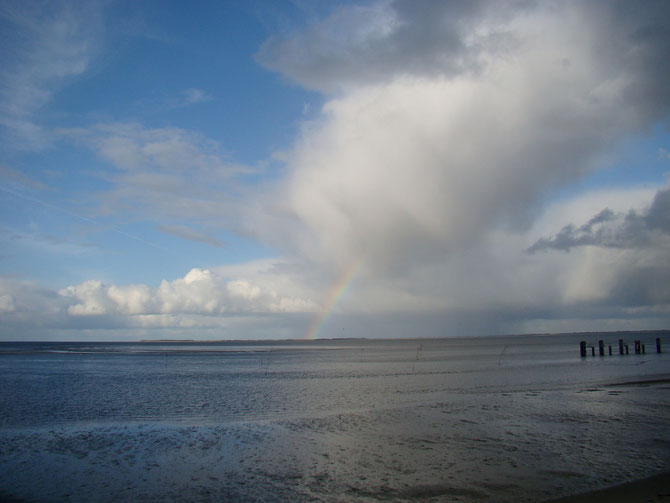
<point>652,489</point>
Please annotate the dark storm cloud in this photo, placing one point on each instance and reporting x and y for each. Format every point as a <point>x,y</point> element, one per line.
<point>378,41</point>
<point>372,43</point>
<point>635,229</point>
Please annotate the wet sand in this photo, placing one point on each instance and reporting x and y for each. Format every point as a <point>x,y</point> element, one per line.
<point>652,489</point>
<point>470,451</point>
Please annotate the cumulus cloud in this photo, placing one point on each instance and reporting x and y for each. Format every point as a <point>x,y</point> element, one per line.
<point>93,309</point>
<point>200,292</point>
<point>26,303</point>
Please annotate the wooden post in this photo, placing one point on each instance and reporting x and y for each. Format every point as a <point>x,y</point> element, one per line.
<point>626,348</point>
<point>601,347</point>
<point>620,346</point>
<point>658,345</point>
<point>638,350</point>
<point>582,349</point>
<point>610,350</point>
<point>644,350</point>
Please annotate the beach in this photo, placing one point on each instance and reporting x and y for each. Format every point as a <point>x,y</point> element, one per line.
<point>508,419</point>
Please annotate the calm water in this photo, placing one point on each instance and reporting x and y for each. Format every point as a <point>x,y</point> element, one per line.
<point>520,418</point>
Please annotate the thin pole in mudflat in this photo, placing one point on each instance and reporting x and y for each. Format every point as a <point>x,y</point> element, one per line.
<point>610,349</point>
<point>658,345</point>
<point>601,347</point>
<point>620,346</point>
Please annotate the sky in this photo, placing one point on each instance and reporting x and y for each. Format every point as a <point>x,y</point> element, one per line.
<point>293,169</point>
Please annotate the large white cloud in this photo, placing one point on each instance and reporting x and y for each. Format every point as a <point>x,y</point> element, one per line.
<point>445,127</point>
<point>199,292</point>
<point>417,166</point>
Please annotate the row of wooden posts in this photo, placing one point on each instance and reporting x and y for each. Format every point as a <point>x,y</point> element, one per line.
<point>623,348</point>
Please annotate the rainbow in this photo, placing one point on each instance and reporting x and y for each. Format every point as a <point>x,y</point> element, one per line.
<point>336,292</point>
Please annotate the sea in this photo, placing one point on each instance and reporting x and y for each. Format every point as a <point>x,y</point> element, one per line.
<point>471,419</point>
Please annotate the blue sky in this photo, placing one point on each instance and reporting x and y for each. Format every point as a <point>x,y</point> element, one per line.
<point>218,170</point>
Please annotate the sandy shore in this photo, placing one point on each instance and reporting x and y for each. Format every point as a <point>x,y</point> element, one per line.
<point>654,489</point>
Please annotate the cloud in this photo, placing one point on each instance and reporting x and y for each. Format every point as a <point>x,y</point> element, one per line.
<point>45,44</point>
<point>37,241</point>
<point>190,234</point>
<point>130,148</point>
<point>193,96</point>
<point>167,102</point>
<point>16,178</point>
<point>375,42</point>
<point>445,127</point>
<point>162,173</point>
<point>26,303</point>
<point>7,304</point>
<point>264,299</point>
<point>617,262</point>
<point>200,292</point>
<point>635,229</point>
<point>429,145</point>
<point>415,168</point>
